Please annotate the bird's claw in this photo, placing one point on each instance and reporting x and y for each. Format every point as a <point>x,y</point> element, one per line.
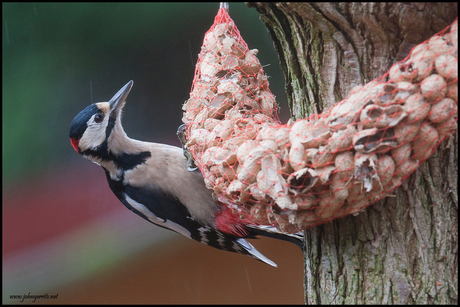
<point>191,166</point>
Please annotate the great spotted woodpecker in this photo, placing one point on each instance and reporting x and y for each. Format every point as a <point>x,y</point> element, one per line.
<point>153,181</point>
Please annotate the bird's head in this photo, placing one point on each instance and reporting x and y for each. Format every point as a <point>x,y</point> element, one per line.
<point>96,130</point>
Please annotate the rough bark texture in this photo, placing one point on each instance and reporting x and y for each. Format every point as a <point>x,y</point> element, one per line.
<point>403,249</point>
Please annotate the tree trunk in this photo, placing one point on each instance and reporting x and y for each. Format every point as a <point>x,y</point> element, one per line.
<point>403,249</point>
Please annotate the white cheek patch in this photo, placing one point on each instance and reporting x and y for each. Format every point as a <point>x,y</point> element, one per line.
<point>156,220</point>
<point>94,134</point>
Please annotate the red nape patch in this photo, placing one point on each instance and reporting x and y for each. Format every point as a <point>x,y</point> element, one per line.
<point>230,223</point>
<point>74,143</point>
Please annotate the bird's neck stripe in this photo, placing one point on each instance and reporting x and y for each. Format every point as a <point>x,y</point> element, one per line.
<point>110,126</point>
<point>125,161</point>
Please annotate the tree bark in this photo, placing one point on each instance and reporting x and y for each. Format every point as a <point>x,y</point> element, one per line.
<point>403,249</point>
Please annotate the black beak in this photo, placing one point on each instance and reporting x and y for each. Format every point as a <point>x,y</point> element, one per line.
<point>118,100</point>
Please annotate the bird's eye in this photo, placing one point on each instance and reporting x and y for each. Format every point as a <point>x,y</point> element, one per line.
<point>98,118</point>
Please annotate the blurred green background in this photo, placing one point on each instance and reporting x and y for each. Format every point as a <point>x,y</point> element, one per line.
<point>63,231</point>
<point>60,57</point>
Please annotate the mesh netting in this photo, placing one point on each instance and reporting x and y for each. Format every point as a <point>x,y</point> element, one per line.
<point>327,166</point>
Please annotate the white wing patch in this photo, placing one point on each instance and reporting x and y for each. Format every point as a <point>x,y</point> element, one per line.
<point>156,220</point>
